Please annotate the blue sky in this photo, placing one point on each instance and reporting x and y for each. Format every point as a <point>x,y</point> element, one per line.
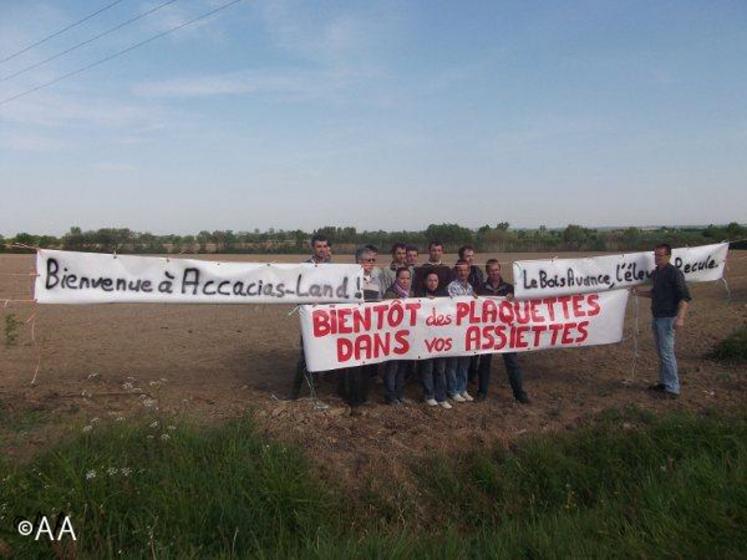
<point>379,115</point>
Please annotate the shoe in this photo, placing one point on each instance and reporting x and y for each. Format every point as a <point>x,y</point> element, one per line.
<point>664,394</point>
<point>431,402</point>
<point>658,387</point>
<point>458,398</point>
<point>394,402</point>
<point>467,397</point>
<point>444,404</point>
<point>480,397</point>
<point>523,398</point>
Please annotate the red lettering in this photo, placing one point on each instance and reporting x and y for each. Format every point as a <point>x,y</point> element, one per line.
<point>344,350</point>
<point>396,314</point>
<point>403,345</point>
<point>361,319</point>
<point>487,333</point>
<point>506,312</point>
<point>593,302</point>
<point>462,310</point>
<point>537,317</point>
<point>565,300</point>
<point>500,330</point>
<point>584,333</point>
<point>473,318</point>
<point>520,342</point>
<point>578,310</point>
<point>320,320</point>
<point>472,338</point>
<point>489,311</point>
<point>517,308</point>
<point>555,328</point>
<point>343,314</point>
<point>413,308</point>
<point>567,329</point>
<point>381,345</point>
<point>550,303</point>
<point>538,330</point>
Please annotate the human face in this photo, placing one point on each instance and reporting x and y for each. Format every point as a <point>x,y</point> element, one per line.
<point>431,282</point>
<point>320,250</point>
<point>661,258</point>
<point>494,274</point>
<point>469,255</point>
<point>368,261</point>
<point>411,258</point>
<point>436,253</point>
<point>403,279</point>
<point>462,272</point>
<point>399,255</point>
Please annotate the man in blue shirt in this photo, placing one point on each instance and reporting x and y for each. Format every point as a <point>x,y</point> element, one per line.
<point>669,302</point>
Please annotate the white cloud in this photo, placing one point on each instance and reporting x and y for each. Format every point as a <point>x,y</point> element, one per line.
<point>26,142</point>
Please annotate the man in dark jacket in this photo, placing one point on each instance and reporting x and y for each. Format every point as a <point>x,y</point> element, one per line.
<point>496,286</point>
<point>669,301</point>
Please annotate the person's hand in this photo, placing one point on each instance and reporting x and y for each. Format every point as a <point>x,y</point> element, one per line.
<point>679,323</point>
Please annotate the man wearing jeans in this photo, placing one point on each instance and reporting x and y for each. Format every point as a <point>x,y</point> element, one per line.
<point>458,366</point>
<point>495,286</point>
<point>669,301</point>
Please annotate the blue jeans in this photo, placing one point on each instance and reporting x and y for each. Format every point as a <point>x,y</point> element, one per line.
<point>433,376</point>
<point>456,374</point>
<point>664,339</point>
<point>394,380</point>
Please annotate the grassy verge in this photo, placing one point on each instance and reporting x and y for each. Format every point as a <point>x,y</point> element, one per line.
<point>630,485</point>
<point>732,349</point>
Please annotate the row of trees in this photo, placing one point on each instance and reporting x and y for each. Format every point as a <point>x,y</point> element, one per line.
<point>498,238</point>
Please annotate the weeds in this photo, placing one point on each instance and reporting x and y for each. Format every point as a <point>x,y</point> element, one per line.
<point>12,326</point>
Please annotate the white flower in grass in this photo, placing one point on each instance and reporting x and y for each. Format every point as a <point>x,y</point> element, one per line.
<point>90,475</point>
<point>111,471</point>
<point>165,437</point>
<point>94,420</point>
<point>127,386</point>
<point>149,403</point>
<point>119,419</point>
<point>125,471</point>
<point>87,428</point>
<point>171,428</point>
<point>153,424</point>
<point>154,383</point>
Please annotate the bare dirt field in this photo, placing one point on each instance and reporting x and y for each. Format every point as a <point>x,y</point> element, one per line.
<point>214,362</point>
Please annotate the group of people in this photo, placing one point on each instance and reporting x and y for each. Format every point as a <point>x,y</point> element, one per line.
<point>444,380</point>
<point>447,379</point>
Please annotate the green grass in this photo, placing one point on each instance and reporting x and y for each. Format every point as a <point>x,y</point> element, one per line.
<point>733,348</point>
<point>629,485</point>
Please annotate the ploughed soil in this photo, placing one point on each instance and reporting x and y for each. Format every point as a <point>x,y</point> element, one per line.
<point>215,362</point>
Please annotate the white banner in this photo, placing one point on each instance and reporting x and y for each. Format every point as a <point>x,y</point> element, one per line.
<point>338,336</point>
<point>551,277</point>
<point>70,277</point>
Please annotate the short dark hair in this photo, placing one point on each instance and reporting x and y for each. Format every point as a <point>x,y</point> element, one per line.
<point>398,245</point>
<point>435,242</point>
<point>319,237</point>
<point>461,261</point>
<point>666,246</point>
<point>409,248</point>
<point>400,270</point>
<point>371,247</point>
<point>464,248</point>
<point>491,262</point>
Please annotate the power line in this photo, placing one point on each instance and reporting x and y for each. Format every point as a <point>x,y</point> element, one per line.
<point>87,41</point>
<point>119,53</point>
<point>60,32</point>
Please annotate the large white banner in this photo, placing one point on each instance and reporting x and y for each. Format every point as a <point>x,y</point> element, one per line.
<point>552,277</point>
<point>71,277</point>
<point>338,336</point>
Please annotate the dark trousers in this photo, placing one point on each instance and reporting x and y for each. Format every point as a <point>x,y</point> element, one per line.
<point>301,374</point>
<point>513,369</point>
<point>433,376</point>
<point>394,379</point>
<point>352,384</point>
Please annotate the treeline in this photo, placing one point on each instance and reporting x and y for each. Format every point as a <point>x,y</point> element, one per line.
<point>498,238</point>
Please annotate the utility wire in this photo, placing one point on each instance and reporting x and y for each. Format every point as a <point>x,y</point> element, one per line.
<point>87,41</point>
<point>119,53</point>
<point>60,32</point>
